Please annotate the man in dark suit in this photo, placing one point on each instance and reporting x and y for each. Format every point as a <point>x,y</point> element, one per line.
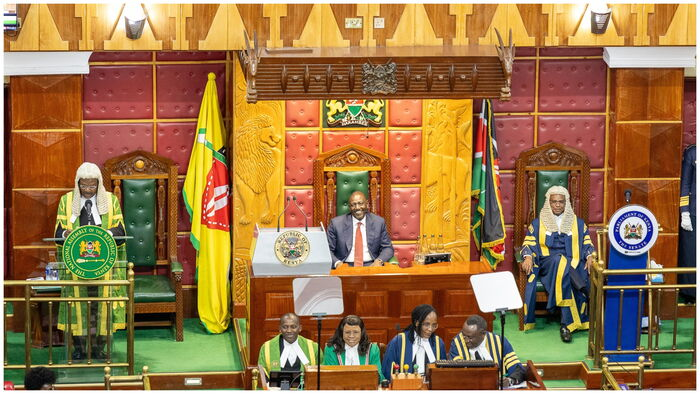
<point>359,238</point>
<point>686,235</point>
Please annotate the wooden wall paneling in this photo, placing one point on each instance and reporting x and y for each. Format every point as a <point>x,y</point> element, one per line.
<point>535,21</point>
<point>342,11</point>
<point>414,29</point>
<point>641,12</point>
<point>294,22</point>
<point>681,31</point>
<point>189,302</point>
<point>22,10</point>
<point>368,12</point>
<point>45,160</point>
<point>648,94</point>
<point>391,14</point>
<point>456,302</point>
<point>584,37</point>
<point>198,19</point>
<point>28,37</point>
<point>69,27</point>
<point>659,195</point>
<point>85,41</point>
<point>29,263</point>
<point>163,19</point>
<point>504,19</point>
<point>40,205</point>
<point>425,31</point>
<point>640,145</point>
<point>412,298</point>
<point>660,20</point>
<point>102,22</point>
<point>479,20</point>
<point>274,13</point>
<point>222,27</point>
<point>460,12</point>
<point>277,304</point>
<point>563,20</point>
<point>253,20</point>
<point>46,102</point>
<point>371,303</point>
<point>118,40</point>
<point>312,33</point>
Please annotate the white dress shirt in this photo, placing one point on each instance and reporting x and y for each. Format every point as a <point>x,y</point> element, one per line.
<point>290,352</point>
<point>363,230</point>
<point>421,350</point>
<point>483,352</point>
<point>352,356</point>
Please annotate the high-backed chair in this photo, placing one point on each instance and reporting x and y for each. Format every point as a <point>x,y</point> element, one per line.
<point>340,172</point>
<point>536,170</point>
<point>146,185</point>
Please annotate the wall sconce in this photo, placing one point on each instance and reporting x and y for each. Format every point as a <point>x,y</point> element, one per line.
<point>134,20</point>
<point>600,17</point>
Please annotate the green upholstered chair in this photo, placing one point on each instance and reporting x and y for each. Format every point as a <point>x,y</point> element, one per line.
<point>340,172</point>
<point>146,185</point>
<point>536,170</point>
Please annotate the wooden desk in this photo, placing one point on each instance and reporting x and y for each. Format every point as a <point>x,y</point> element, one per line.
<point>476,378</point>
<point>341,377</point>
<point>383,296</point>
<point>40,318</point>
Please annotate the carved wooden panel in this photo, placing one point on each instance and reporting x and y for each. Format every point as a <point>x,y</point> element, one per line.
<point>46,102</point>
<point>411,298</point>
<point>446,172</point>
<point>371,303</point>
<point>45,159</point>
<point>456,302</point>
<point>640,145</point>
<point>29,262</point>
<point>40,207</point>
<point>660,196</point>
<point>277,304</point>
<point>648,94</point>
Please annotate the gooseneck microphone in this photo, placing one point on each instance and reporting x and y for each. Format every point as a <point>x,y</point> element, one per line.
<point>306,220</point>
<point>282,213</point>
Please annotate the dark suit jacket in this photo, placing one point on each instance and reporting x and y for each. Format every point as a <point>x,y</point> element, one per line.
<point>341,234</point>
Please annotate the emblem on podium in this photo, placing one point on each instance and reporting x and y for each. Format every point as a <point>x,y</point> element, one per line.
<point>633,230</point>
<point>292,248</point>
<point>89,252</point>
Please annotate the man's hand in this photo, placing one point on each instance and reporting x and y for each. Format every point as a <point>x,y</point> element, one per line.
<point>589,262</point>
<point>686,224</point>
<point>526,265</point>
<point>66,232</point>
<point>376,263</point>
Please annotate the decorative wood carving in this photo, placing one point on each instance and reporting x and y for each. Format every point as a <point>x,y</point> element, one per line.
<point>250,60</point>
<point>379,79</point>
<point>506,55</point>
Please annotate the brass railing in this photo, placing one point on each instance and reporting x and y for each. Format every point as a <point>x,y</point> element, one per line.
<point>649,291</point>
<point>28,299</point>
<point>608,380</point>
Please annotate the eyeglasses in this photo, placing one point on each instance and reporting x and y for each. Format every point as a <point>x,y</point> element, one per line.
<point>88,187</point>
<point>429,325</point>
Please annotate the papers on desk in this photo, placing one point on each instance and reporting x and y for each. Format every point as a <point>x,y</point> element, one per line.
<point>521,385</point>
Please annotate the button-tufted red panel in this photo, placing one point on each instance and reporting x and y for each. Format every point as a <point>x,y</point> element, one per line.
<point>305,200</point>
<point>370,139</point>
<point>405,254</point>
<point>118,92</point>
<point>514,134</point>
<point>525,51</point>
<point>190,55</point>
<point>405,213</point>
<point>508,197</point>
<point>689,112</point>
<point>567,51</point>
<point>595,205</point>
<point>406,113</point>
<point>507,263</point>
<point>302,113</point>
<point>135,56</point>
<point>174,141</point>
<point>594,236</point>
<point>180,87</point>
<point>405,155</point>
<point>104,141</point>
<point>301,148</point>
<point>586,133</point>
<point>188,258</point>
<point>139,199</point>
<point>183,217</point>
<point>522,89</point>
<point>576,85</point>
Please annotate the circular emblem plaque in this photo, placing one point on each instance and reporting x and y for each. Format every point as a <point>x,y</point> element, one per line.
<point>292,248</point>
<point>89,252</point>
<point>633,230</point>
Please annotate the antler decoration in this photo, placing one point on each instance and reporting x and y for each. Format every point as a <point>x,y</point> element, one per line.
<point>251,59</point>
<point>506,55</point>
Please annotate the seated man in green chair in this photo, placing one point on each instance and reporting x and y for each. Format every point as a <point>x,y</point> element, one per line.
<point>359,238</point>
<point>558,251</point>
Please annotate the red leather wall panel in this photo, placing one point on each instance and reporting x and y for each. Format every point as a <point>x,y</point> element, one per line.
<point>405,113</point>
<point>405,213</point>
<point>567,51</point>
<point>525,51</point>
<point>188,257</point>
<point>575,85</point>
<point>179,88</point>
<point>104,141</point>
<point>190,55</point>
<point>522,88</point>
<point>305,200</point>
<point>175,141</point>
<point>370,139</point>
<point>508,197</point>
<point>183,218</point>
<point>118,56</point>
<point>405,155</point>
<point>513,134</point>
<point>689,112</point>
<point>404,254</point>
<point>586,133</point>
<point>118,92</point>
<point>302,113</point>
<point>595,204</point>
<point>301,148</point>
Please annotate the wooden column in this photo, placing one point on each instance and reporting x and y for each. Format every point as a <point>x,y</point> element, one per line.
<point>646,151</point>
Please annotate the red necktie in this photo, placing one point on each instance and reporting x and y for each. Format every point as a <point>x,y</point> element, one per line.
<point>358,246</point>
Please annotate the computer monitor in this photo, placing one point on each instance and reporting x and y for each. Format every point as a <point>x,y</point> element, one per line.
<point>285,380</point>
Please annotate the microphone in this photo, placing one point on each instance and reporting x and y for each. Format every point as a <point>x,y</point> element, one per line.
<point>628,196</point>
<point>282,213</point>
<point>306,220</point>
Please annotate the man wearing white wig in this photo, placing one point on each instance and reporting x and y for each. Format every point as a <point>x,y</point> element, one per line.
<point>558,252</point>
<point>90,204</point>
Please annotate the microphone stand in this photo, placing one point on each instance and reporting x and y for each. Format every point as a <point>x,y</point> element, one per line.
<point>319,319</point>
<point>501,312</point>
<point>306,220</point>
<point>282,213</point>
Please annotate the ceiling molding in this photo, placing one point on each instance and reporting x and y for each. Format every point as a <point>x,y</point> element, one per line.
<point>649,57</point>
<point>46,63</point>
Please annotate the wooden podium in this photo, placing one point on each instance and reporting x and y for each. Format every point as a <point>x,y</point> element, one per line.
<point>462,378</point>
<point>342,377</point>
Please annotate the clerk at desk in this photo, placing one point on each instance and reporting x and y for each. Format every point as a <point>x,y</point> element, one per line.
<point>359,238</point>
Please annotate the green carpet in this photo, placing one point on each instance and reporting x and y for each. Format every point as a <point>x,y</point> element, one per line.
<point>154,347</point>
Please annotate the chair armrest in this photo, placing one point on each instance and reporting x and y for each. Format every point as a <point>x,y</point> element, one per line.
<point>393,260</point>
<point>175,266</point>
<point>517,255</point>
